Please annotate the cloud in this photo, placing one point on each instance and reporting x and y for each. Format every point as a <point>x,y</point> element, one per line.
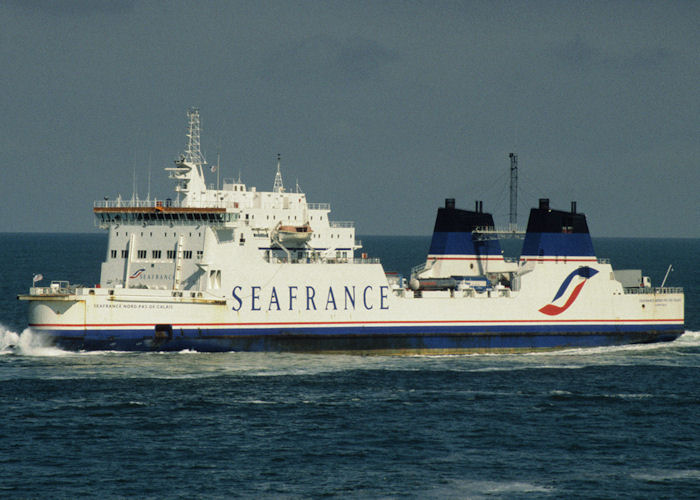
<point>325,59</point>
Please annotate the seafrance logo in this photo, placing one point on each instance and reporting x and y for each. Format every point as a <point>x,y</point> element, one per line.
<point>137,274</point>
<point>309,298</point>
<point>582,272</point>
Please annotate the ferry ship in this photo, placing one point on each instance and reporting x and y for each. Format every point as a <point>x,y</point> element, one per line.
<point>232,268</point>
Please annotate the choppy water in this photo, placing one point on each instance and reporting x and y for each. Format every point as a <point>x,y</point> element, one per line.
<point>603,422</point>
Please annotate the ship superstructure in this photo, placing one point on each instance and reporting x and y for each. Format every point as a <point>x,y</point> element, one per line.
<point>181,244</point>
<point>234,268</point>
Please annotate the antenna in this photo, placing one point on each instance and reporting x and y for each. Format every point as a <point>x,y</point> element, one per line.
<point>513,226</point>
<point>134,196</point>
<point>670,268</point>
<point>193,152</point>
<point>218,159</point>
<point>278,187</point>
<point>148,197</point>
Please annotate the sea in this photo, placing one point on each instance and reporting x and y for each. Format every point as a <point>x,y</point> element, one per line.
<point>620,422</point>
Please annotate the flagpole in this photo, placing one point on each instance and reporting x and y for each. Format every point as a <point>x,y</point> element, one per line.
<point>36,278</point>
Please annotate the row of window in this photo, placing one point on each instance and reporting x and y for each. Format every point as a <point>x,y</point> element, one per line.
<point>274,217</point>
<point>166,217</point>
<point>317,235</point>
<point>156,254</point>
<point>151,234</point>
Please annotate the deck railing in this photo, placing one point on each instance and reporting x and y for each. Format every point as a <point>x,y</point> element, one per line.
<point>342,223</point>
<point>56,288</point>
<point>167,203</point>
<point>653,290</point>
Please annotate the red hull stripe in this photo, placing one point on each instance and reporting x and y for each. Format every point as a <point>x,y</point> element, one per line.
<point>558,259</point>
<point>523,258</point>
<point>434,257</point>
<point>359,323</point>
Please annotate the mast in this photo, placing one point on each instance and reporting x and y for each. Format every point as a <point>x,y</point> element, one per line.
<point>278,187</point>
<point>188,169</point>
<point>193,152</point>
<point>148,196</point>
<point>218,161</point>
<point>513,223</point>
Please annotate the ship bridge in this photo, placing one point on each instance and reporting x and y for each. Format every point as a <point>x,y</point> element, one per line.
<point>108,212</point>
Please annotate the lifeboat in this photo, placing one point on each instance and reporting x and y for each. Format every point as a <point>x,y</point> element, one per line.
<point>294,234</point>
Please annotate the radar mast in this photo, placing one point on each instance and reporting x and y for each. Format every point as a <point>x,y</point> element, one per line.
<point>193,152</point>
<point>278,186</point>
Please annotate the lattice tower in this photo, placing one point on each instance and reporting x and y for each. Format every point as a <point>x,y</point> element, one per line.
<point>193,152</point>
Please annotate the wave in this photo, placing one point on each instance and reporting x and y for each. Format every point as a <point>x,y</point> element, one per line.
<point>664,476</point>
<point>465,488</point>
<point>687,339</point>
<point>27,343</point>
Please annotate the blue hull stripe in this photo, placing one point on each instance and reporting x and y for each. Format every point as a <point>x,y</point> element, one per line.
<point>368,338</point>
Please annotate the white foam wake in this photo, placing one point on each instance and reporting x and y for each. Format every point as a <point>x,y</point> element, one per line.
<point>688,338</point>
<point>27,343</point>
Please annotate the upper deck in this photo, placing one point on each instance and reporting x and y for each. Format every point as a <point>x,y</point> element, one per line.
<point>161,212</point>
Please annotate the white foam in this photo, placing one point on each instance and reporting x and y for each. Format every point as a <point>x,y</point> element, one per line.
<point>689,338</point>
<point>489,489</point>
<point>8,341</point>
<point>659,475</point>
<point>27,343</point>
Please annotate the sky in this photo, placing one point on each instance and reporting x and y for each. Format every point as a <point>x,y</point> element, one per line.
<point>382,108</point>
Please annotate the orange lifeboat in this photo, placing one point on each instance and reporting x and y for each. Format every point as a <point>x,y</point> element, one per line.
<point>294,234</point>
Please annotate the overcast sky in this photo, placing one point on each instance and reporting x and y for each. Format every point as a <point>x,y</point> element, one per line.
<point>382,108</point>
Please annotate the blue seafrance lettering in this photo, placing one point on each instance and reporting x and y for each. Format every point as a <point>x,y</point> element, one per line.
<point>331,299</point>
<point>349,296</point>
<point>234,296</point>
<point>292,296</point>
<point>273,300</point>
<point>383,295</point>
<point>310,293</point>
<point>364,297</point>
<point>258,299</point>
<point>254,298</point>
